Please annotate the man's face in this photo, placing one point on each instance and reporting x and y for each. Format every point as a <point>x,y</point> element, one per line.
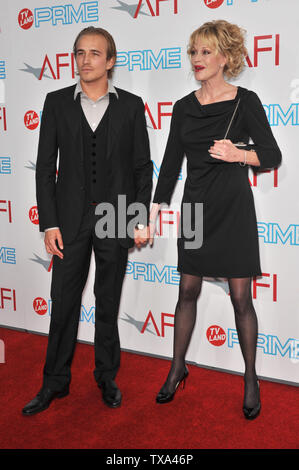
<point>91,58</point>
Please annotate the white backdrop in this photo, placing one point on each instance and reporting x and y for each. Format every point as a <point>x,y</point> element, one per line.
<point>151,36</point>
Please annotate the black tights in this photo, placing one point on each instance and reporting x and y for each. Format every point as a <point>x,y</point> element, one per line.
<point>246,324</point>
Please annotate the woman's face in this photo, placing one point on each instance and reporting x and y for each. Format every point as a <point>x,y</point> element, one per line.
<point>206,61</point>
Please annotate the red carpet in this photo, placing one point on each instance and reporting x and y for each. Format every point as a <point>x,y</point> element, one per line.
<point>206,415</point>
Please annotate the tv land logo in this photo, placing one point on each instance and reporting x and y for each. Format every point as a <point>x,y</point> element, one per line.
<point>85,12</point>
<point>217,3</point>
<point>213,3</point>
<point>31,120</point>
<point>147,7</point>
<point>25,18</point>
<point>33,215</point>
<point>216,335</point>
<point>40,306</point>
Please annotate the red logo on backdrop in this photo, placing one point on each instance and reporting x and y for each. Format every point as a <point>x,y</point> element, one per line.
<point>25,18</point>
<point>33,215</point>
<point>213,3</point>
<point>40,306</point>
<point>31,120</point>
<point>216,335</point>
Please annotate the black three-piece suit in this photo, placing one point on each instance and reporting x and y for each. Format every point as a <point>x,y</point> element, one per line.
<point>94,167</point>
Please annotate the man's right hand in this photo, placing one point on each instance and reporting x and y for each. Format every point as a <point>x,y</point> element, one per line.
<point>51,236</point>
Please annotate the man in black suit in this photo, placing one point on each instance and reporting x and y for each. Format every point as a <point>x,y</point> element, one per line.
<point>100,133</point>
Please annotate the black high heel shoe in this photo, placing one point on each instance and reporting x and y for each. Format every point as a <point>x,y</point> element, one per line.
<point>252,413</point>
<point>163,397</point>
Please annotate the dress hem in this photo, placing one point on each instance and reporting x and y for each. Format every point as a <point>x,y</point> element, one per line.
<point>183,271</point>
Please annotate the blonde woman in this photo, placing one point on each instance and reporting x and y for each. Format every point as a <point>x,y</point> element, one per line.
<point>217,176</point>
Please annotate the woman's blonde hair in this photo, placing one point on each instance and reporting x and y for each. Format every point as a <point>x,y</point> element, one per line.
<point>226,38</point>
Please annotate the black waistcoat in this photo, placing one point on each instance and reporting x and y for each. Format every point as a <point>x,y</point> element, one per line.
<point>95,159</point>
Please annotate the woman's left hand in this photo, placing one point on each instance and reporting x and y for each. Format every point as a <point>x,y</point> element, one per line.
<point>225,150</point>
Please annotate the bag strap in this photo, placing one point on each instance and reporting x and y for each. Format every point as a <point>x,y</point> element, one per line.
<point>232,118</point>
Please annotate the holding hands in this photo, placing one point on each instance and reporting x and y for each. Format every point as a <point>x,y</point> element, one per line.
<point>141,237</point>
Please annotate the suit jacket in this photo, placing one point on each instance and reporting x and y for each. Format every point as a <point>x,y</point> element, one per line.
<point>60,199</point>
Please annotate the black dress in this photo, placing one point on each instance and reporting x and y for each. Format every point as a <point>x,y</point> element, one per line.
<point>230,240</point>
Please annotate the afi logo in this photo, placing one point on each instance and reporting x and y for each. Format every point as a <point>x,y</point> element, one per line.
<point>58,65</point>
<point>157,5</point>
<point>254,182</point>
<point>31,120</point>
<point>7,294</point>
<point>213,3</point>
<point>152,7</point>
<point>3,118</point>
<point>163,322</point>
<point>257,49</point>
<point>216,335</point>
<point>271,284</point>
<point>25,18</point>
<point>161,111</point>
<point>6,209</point>
<point>33,215</point>
<point>40,306</point>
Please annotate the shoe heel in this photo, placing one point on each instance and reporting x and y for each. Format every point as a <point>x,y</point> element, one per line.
<point>252,413</point>
<point>183,381</point>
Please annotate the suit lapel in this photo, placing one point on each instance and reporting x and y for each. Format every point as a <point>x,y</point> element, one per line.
<point>74,113</point>
<point>116,117</point>
<point>74,117</point>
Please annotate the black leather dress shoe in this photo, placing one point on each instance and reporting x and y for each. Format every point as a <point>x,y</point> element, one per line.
<point>43,400</point>
<point>110,393</point>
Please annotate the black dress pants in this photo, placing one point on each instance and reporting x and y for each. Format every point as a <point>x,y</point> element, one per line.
<point>68,281</point>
